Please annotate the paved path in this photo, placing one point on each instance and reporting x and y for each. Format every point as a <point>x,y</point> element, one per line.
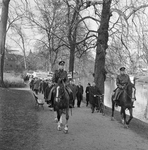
<point>87,131</point>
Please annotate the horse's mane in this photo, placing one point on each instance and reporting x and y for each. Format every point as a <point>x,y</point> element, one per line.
<point>126,95</point>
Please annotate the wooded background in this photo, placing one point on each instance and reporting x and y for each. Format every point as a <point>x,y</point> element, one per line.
<point>94,37</point>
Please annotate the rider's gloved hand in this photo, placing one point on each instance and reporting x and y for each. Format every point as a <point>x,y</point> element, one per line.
<point>120,86</point>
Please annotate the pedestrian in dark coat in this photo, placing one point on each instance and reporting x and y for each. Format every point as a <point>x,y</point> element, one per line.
<point>32,84</point>
<point>94,92</point>
<point>36,85</point>
<point>46,94</point>
<point>74,89</point>
<point>79,94</point>
<point>45,84</point>
<point>87,94</point>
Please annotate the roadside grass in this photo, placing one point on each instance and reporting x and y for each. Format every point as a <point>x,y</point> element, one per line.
<point>13,80</point>
<point>18,121</point>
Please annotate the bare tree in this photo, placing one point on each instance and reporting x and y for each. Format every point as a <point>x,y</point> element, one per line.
<point>48,27</point>
<point>20,41</point>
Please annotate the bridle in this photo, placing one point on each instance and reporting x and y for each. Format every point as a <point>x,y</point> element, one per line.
<point>58,96</point>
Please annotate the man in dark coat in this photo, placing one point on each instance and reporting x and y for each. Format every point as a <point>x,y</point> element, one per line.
<point>74,89</point>
<point>45,84</point>
<point>46,94</point>
<point>32,84</point>
<point>94,92</point>
<point>36,85</point>
<point>87,94</point>
<point>79,94</point>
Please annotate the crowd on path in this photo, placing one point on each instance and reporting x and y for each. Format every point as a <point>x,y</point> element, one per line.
<point>89,94</point>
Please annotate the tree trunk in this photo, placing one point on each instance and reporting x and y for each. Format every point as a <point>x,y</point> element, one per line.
<point>3,25</point>
<point>72,59</point>
<point>99,70</point>
<point>72,33</point>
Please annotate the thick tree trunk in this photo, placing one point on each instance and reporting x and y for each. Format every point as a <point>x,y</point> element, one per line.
<point>3,25</point>
<point>72,33</point>
<point>99,70</point>
<point>72,59</point>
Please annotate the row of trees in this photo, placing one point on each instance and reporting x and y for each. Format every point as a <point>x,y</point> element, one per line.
<point>64,32</point>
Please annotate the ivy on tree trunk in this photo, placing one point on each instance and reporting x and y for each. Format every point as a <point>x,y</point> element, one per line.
<point>99,69</point>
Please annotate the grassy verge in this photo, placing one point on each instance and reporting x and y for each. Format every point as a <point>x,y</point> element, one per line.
<point>18,121</point>
<point>13,80</point>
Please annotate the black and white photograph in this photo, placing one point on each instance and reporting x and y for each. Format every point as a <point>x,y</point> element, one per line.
<point>73,75</point>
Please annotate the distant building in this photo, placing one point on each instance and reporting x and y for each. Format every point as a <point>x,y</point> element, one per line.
<point>12,62</point>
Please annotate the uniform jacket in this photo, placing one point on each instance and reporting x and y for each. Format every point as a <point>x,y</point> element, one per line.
<point>60,74</point>
<point>122,80</point>
<point>80,89</point>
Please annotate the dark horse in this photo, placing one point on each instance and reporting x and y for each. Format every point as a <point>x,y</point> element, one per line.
<point>125,102</point>
<point>61,104</point>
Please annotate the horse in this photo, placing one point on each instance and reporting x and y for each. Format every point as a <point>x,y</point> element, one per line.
<point>61,105</point>
<point>126,101</point>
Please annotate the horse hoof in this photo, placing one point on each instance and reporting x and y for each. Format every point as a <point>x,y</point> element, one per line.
<point>59,128</point>
<point>112,118</point>
<point>51,109</point>
<point>56,120</point>
<point>126,126</point>
<point>122,121</point>
<point>65,131</point>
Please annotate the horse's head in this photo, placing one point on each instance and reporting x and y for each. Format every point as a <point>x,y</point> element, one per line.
<point>61,91</point>
<point>129,89</point>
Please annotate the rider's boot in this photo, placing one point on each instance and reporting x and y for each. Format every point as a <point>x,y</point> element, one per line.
<point>115,98</point>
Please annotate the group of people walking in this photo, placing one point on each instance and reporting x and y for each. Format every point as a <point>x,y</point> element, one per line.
<point>47,86</point>
<point>92,92</point>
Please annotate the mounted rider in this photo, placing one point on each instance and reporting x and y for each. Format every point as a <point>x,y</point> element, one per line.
<point>59,76</point>
<point>121,81</point>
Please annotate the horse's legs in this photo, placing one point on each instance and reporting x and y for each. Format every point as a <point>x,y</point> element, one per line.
<point>67,117</point>
<point>61,119</point>
<point>58,117</point>
<point>131,116</point>
<point>55,116</point>
<point>124,116</point>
